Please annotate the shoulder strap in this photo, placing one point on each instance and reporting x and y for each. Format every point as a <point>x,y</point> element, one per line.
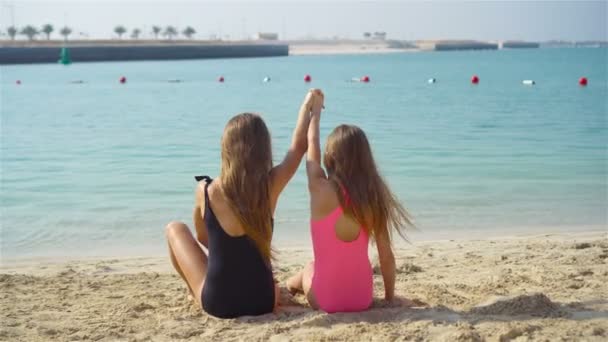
<point>206,178</point>
<point>208,181</point>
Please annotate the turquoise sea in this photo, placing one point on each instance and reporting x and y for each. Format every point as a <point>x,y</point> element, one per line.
<point>99,168</point>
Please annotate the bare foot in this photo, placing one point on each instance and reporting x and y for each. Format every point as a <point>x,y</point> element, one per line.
<point>286,297</point>
<point>292,290</point>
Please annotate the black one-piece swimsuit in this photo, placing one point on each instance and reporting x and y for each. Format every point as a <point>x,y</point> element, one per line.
<point>239,282</point>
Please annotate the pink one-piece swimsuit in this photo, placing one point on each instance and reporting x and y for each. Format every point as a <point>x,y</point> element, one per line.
<point>343,278</point>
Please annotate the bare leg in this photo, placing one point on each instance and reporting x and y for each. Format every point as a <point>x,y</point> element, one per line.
<point>179,270</point>
<point>188,258</point>
<point>302,283</point>
<point>294,283</point>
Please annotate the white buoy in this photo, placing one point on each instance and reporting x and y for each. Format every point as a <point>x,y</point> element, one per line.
<point>266,79</point>
<point>528,82</point>
<point>432,80</point>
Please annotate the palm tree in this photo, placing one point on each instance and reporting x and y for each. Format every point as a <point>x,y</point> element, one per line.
<point>120,30</point>
<point>29,31</point>
<point>65,32</point>
<point>188,32</point>
<point>170,31</point>
<point>47,29</point>
<point>12,32</point>
<point>135,33</point>
<point>156,30</point>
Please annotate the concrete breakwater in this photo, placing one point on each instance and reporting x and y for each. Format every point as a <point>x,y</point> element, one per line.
<point>467,45</point>
<point>26,54</point>
<point>449,45</point>
<point>519,45</point>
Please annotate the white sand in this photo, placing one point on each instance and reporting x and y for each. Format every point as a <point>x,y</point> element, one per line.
<point>544,287</point>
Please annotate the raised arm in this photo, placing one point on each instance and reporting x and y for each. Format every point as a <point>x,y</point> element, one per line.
<point>282,173</point>
<point>313,157</point>
<point>387,265</point>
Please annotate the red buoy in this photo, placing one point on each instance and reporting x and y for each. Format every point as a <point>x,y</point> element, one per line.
<point>365,79</point>
<point>475,79</point>
<point>307,78</point>
<point>122,80</point>
<point>18,82</point>
<point>221,79</point>
<point>582,81</point>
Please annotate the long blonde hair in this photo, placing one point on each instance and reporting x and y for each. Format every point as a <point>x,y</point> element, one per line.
<point>246,165</point>
<point>351,168</point>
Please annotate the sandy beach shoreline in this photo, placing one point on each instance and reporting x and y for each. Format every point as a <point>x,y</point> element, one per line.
<point>541,287</point>
<point>343,49</point>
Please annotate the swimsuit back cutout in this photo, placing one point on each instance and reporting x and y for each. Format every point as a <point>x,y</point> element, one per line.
<point>239,282</point>
<point>343,277</point>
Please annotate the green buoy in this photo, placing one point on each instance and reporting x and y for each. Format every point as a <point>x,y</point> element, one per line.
<point>64,57</point>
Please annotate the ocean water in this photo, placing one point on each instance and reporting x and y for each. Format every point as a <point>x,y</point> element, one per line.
<point>99,168</point>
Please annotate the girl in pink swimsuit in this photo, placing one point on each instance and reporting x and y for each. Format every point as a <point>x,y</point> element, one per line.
<point>350,205</point>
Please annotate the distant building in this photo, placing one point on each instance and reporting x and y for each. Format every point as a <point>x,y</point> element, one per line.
<point>267,36</point>
<point>375,35</point>
<point>379,36</point>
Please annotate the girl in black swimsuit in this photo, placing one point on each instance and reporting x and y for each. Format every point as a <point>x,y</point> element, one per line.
<point>233,219</point>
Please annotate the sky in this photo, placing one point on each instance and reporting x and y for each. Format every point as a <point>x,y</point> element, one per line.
<point>297,19</point>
